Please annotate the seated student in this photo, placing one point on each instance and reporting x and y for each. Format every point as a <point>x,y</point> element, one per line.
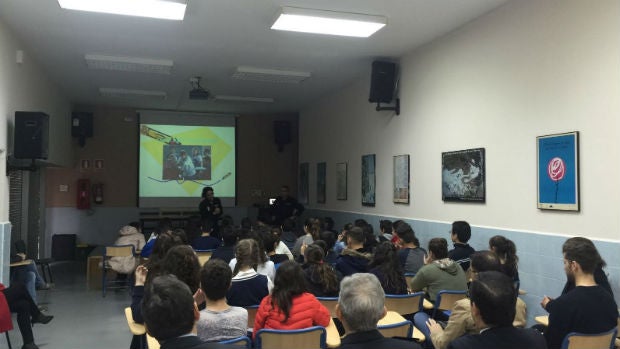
<point>226,251</point>
<point>588,308</point>
<point>321,279</point>
<point>341,242</point>
<point>288,236</point>
<point>493,298</point>
<point>264,265</point>
<point>460,234</point>
<point>385,228</point>
<point>248,287</point>
<point>271,241</point>
<point>219,321</point>
<point>127,235</point>
<point>281,247</point>
<point>20,302</point>
<point>290,307</point>
<point>312,229</point>
<point>170,315</point>
<point>386,267</point>
<point>439,272</point>
<point>361,305</point>
<point>506,250</point>
<point>163,226</point>
<point>205,241</point>
<point>461,321</point>
<point>330,240</point>
<point>410,255</point>
<point>353,259</point>
<point>28,275</point>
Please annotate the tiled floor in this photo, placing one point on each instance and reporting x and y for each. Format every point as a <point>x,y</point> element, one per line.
<point>82,318</point>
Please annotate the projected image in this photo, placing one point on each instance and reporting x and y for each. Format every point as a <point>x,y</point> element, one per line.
<point>187,162</point>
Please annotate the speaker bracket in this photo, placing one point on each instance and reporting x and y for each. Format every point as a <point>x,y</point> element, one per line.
<point>10,167</point>
<point>396,107</point>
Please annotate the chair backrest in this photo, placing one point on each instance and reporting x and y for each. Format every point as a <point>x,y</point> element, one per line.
<point>604,340</point>
<point>119,251</point>
<point>252,309</point>
<point>409,277</point>
<point>447,298</point>
<point>307,338</point>
<point>151,342</point>
<point>135,328</point>
<point>243,341</point>
<point>330,304</point>
<point>204,256</point>
<point>404,303</point>
<point>399,329</point>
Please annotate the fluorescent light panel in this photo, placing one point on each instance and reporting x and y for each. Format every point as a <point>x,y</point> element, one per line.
<point>244,99</point>
<point>270,75</point>
<point>163,9</point>
<point>132,94</point>
<point>328,22</point>
<point>130,64</point>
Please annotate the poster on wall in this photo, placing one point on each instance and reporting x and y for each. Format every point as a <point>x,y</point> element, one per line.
<point>321,171</point>
<point>368,180</point>
<point>341,181</point>
<point>558,171</point>
<point>401,179</point>
<point>304,182</point>
<point>463,176</point>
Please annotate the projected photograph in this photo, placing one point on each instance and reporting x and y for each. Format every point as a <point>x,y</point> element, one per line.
<point>558,171</point>
<point>187,162</point>
<point>463,175</point>
<point>368,180</point>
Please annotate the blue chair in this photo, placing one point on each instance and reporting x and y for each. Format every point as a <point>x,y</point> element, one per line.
<point>605,340</point>
<point>308,338</point>
<point>409,277</point>
<point>252,309</point>
<point>203,256</point>
<point>400,329</point>
<point>446,299</point>
<point>404,303</point>
<point>240,341</point>
<point>115,251</point>
<point>330,304</point>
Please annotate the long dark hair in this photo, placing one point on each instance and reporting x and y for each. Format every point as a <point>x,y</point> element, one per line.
<point>247,254</point>
<point>289,282</point>
<point>313,225</point>
<point>507,251</point>
<point>320,273</point>
<point>386,259</point>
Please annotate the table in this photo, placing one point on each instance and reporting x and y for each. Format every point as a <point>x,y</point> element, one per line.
<point>20,263</point>
<point>543,320</point>
<point>93,272</point>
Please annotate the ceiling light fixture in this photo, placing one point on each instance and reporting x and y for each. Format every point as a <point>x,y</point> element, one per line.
<point>244,99</point>
<point>328,22</point>
<point>163,9</point>
<point>126,93</point>
<point>270,75</point>
<point>130,64</point>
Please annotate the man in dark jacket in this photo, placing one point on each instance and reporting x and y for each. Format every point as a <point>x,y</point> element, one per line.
<point>460,234</point>
<point>353,259</point>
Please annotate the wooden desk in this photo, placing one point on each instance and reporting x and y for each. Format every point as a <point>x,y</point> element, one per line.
<point>20,263</point>
<point>543,320</point>
<point>426,304</point>
<point>393,317</point>
<point>332,336</point>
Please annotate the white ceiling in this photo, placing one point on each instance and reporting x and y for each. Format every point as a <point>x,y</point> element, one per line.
<point>216,37</point>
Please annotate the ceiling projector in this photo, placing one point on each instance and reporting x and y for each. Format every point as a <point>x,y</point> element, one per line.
<point>199,93</point>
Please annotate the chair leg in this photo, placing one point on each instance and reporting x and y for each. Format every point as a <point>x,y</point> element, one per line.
<point>49,272</point>
<point>8,340</point>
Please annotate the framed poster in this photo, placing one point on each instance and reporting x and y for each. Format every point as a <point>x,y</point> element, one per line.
<point>463,176</point>
<point>401,179</point>
<point>368,180</point>
<point>341,181</point>
<point>304,182</point>
<point>557,157</point>
<point>321,169</point>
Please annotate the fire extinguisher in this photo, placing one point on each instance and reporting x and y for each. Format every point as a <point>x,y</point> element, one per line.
<point>98,193</point>
<point>83,194</point>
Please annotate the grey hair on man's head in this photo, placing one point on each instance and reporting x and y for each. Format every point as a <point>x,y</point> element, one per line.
<point>361,301</point>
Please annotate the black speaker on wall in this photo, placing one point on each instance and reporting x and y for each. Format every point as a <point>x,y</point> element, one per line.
<point>282,133</point>
<point>382,82</point>
<point>81,126</point>
<point>31,135</point>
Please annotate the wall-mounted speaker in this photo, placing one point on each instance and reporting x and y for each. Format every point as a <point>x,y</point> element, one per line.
<point>382,82</point>
<point>81,126</point>
<point>281,133</point>
<point>31,135</point>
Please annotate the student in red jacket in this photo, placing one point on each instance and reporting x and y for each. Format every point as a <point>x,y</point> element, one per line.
<point>290,306</point>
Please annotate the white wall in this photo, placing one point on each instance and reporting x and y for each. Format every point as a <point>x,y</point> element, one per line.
<point>530,68</point>
<point>25,87</point>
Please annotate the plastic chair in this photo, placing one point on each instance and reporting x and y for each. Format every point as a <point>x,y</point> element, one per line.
<point>135,328</point>
<point>6,323</point>
<point>307,338</point>
<point>20,247</point>
<point>446,299</point>
<point>114,251</point>
<point>204,256</point>
<point>404,303</point>
<point>603,340</point>
<point>240,341</point>
<point>330,304</point>
<point>399,329</point>
<point>252,309</point>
